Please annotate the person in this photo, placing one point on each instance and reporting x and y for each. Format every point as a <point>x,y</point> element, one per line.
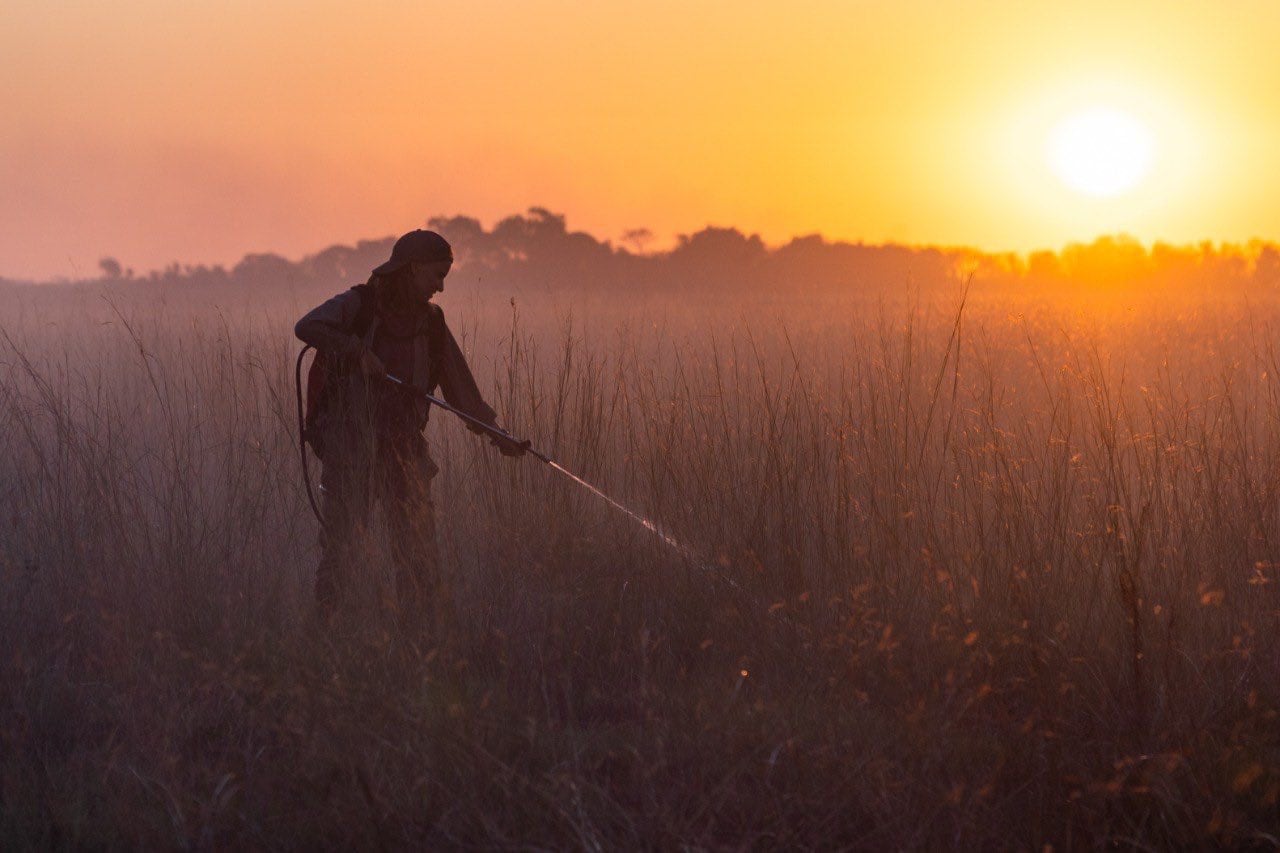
<point>368,431</point>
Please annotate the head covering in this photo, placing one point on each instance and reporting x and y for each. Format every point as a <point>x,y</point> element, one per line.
<point>421,246</point>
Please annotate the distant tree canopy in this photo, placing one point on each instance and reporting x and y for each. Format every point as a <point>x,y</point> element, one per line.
<point>110,267</point>
<point>537,250</point>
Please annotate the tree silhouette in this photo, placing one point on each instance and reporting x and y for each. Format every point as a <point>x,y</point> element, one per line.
<point>536,249</point>
<point>637,238</point>
<point>110,267</point>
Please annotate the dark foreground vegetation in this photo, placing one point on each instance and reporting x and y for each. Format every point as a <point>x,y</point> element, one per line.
<point>997,577</point>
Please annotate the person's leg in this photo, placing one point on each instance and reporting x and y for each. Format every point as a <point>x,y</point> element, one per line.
<point>345,505</point>
<point>422,598</point>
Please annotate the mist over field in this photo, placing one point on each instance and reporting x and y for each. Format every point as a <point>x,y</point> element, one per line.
<point>982,554</point>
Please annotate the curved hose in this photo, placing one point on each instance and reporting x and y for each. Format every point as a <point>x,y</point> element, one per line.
<point>302,435</point>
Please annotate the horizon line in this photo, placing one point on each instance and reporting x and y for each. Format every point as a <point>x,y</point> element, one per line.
<point>1247,247</point>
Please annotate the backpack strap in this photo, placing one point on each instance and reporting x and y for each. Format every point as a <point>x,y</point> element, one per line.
<point>368,310</point>
<point>437,333</point>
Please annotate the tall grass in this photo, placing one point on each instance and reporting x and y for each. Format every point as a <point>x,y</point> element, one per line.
<point>991,574</point>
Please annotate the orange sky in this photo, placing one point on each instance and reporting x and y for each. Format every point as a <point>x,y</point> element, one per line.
<point>199,131</point>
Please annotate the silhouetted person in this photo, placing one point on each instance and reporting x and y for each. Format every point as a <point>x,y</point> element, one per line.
<point>368,432</point>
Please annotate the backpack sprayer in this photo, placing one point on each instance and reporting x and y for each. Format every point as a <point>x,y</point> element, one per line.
<point>499,434</point>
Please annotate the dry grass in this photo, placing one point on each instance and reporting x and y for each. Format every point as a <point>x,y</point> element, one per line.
<point>1001,577</point>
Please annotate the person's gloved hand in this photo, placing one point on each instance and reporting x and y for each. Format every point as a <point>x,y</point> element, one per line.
<point>511,447</point>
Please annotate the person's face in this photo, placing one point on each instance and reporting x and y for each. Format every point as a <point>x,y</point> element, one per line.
<point>428,278</point>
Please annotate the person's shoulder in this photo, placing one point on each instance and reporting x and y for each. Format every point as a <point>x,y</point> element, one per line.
<point>353,306</point>
<point>359,295</point>
<point>353,293</point>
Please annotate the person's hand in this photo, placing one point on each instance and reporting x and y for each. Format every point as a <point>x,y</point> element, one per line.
<point>371,365</point>
<point>511,447</point>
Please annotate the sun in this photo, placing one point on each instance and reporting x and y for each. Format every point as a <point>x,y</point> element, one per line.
<point>1100,151</point>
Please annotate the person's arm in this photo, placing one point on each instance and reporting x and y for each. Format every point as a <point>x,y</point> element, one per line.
<point>457,384</point>
<point>459,388</point>
<point>328,326</point>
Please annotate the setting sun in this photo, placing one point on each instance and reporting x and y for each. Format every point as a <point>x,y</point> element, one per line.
<point>1100,152</point>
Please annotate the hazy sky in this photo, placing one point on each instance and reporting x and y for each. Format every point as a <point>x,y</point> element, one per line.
<point>199,131</point>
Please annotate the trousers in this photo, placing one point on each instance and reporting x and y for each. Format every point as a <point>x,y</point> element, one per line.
<point>395,475</point>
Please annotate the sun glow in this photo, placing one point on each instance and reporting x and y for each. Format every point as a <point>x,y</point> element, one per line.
<point>1100,151</point>
<point>1105,151</point>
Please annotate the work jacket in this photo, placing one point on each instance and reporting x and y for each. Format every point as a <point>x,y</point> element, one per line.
<point>437,362</point>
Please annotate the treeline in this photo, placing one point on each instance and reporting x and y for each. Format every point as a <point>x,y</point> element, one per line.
<point>536,250</point>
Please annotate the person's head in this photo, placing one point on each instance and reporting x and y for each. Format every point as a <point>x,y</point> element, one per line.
<point>419,262</point>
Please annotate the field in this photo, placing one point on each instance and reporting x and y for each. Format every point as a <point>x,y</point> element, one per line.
<point>985,572</point>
